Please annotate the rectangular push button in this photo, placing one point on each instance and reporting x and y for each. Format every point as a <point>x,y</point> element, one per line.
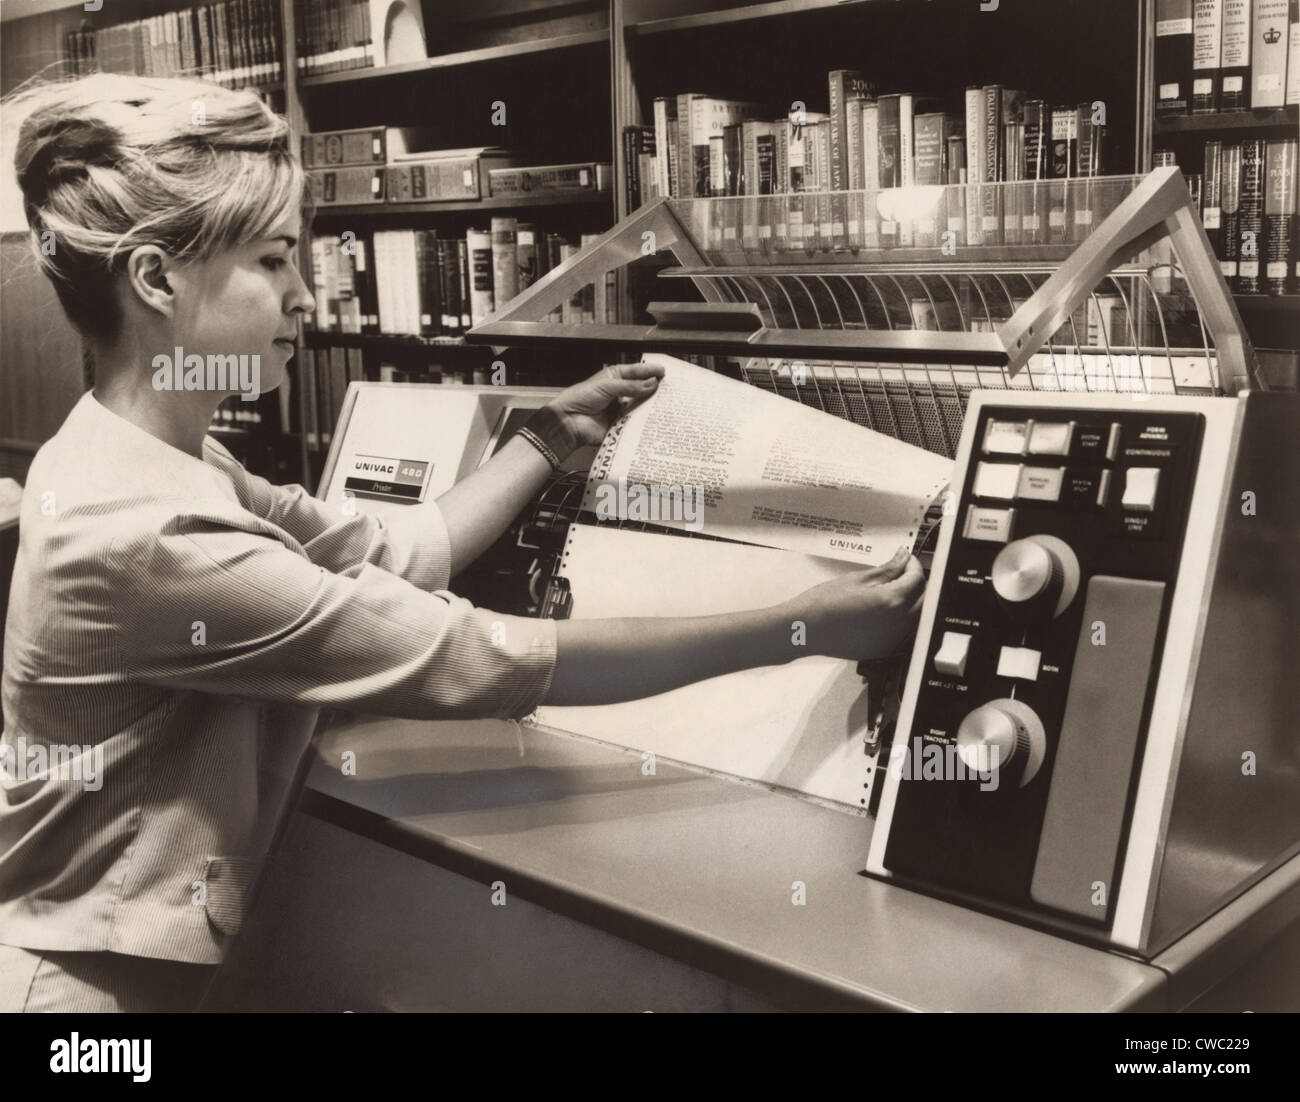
<point>1141,485</point>
<point>1040,483</point>
<point>1021,662</point>
<point>1080,839</point>
<point>951,657</point>
<point>996,480</point>
<point>1051,438</point>
<point>988,524</point>
<point>1006,437</point>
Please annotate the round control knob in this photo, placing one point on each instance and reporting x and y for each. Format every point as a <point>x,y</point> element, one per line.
<point>1037,572</point>
<point>1003,735</point>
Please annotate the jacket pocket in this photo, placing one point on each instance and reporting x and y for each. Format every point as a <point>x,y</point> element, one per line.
<point>227,883</point>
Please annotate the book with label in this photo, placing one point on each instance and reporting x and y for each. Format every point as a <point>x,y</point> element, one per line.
<point>1250,217</point>
<point>1207,55</point>
<point>1174,48</point>
<point>1268,49</point>
<point>1279,216</point>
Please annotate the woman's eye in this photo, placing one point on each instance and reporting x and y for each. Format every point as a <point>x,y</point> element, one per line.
<point>272,263</point>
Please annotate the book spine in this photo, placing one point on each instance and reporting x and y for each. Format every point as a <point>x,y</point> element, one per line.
<point>888,155</point>
<point>991,216</point>
<point>1089,164</point>
<point>1060,169</point>
<point>974,165</point>
<point>526,253</point>
<point>479,243</point>
<point>1212,195</point>
<point>1175,38</point>
<point>1013,141</point>
<point>1293,56</point>
<point>1207,55</point>
<point>1268,51</point>
<point>505,260</point>
<point>1279,216</point>
<point>1250,224</point>
<point>845,85</point>
<point>1230,173</point>
<point>870,174</point>
<point>430,307</point>
<point>1234,74</point>
<point>662,144</point>
<point>685,155</point>
<point>464,275</point>
<point>930,137</point>
<point>955,178</point>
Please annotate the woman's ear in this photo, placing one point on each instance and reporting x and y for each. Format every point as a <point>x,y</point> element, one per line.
<point>147,277</point>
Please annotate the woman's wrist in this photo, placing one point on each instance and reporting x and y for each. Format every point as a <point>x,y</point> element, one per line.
<point>547,432</point>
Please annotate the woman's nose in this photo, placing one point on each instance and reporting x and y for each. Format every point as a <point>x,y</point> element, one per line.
<point>302,300</point>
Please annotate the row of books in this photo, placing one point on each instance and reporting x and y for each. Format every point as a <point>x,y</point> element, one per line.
<point>703,146</point>
<point>321,377</point>
<point>1247,196</point>
<point>419,282</point>
<point>400,164</point>
<point>1226,55</point>
<point>233,42</point>
<point>332,35</point>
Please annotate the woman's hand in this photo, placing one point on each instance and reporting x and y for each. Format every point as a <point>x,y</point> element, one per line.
<point>585,411</point>
<point>863,615</point>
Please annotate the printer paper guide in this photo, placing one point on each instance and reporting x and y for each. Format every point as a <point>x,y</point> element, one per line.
<point>763,459</point>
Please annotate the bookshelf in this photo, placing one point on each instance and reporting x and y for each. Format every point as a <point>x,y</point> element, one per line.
<point>574,75</point>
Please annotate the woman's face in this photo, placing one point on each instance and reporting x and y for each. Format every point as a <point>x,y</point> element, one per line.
<point>245,302</point>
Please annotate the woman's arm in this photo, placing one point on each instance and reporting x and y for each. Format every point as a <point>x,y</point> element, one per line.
<point>477,509</point>
<point>865,614</point>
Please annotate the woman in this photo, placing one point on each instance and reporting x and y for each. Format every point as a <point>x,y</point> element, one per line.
<point>175,622</point>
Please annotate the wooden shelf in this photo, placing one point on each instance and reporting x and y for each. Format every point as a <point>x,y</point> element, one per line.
<point>1270,118</point>
<point>465,57</point>
<point>450,346</point>
<point>744,14</point>
<point>354,210</point>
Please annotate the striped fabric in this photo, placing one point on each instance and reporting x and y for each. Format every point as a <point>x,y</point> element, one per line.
<point>98,983</point>
<point>179,622</point>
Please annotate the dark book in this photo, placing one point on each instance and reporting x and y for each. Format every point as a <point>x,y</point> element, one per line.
<point>845,84</point>
<point>1250,217</point>
<point>1174,43</point>
<point>1212,195</point>
<point>1060,169</point>
<point>1279,216</point>
<point>932,131</point>
<point>1090,162</point>
<point>955,177</point>
<point>1036,117</point>
<point>1230,199</point>
<point>732,159</point>
<point>426,263</point>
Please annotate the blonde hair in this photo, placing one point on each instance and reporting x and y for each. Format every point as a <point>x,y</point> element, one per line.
<point>110,162</point>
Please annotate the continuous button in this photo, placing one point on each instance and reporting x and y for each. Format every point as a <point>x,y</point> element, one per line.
<point>1141,485</point>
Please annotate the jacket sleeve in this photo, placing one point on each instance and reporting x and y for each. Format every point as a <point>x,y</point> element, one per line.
<point>411,542</point>
<point>202,604</point>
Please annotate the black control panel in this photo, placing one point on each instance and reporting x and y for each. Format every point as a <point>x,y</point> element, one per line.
<point>1018,769</point>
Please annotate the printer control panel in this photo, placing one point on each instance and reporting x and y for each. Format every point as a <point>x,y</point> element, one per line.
<point>1018,767</point>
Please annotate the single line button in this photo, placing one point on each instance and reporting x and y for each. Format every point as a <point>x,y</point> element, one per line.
<point>1021,662</point>
<point>1141,485</point>
<point>1040,483</point>
<point>988,524</point>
